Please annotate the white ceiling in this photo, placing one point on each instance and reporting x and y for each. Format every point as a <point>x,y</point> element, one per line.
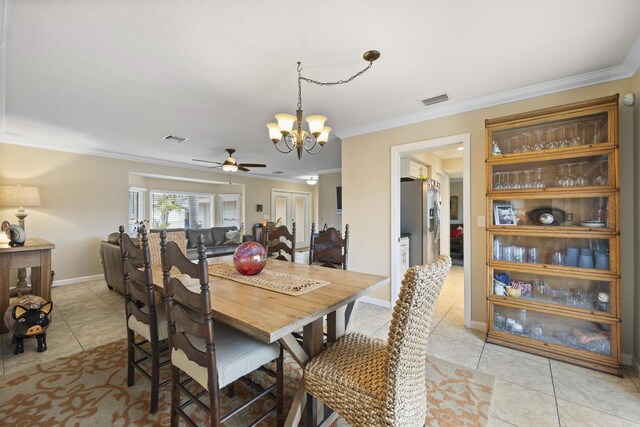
<point>113,77</point>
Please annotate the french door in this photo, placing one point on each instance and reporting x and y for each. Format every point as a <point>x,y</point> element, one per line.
<point>290,206</point>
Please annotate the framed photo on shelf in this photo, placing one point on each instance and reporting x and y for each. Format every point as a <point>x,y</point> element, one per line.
<point>504,215</point>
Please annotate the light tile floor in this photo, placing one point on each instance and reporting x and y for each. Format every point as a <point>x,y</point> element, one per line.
<point>529,390</point>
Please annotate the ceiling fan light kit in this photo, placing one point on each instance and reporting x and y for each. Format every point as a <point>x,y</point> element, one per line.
<point>288,129</point>
<point>231,165</point>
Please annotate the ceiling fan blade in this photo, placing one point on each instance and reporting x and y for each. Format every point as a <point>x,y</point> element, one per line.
<point>206,161</point>
<point>242,168</point>
<point>252,165</point>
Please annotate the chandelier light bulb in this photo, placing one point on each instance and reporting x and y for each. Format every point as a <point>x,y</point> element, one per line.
<point>274,132</point>
<point>312,180</point>
<point>324,135</point>
<point>285,123</point>
<point>316,123</point>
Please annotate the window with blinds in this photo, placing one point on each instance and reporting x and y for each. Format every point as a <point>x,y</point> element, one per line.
<point>181,210</point>
<point>230,210</point>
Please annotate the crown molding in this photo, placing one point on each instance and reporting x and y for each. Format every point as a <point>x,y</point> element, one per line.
<point>326,171</point>
<point>628,68</point>
<point>142,159</point>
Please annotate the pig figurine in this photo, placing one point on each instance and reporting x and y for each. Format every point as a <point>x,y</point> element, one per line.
<point>28,316</point>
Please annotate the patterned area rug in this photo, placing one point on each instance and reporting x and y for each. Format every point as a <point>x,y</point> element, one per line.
<point>90,388</point>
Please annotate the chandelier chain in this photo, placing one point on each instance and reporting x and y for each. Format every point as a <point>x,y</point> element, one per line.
<point>339,82</point>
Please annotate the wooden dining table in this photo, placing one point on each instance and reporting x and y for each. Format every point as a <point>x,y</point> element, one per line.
<point>271,316</point>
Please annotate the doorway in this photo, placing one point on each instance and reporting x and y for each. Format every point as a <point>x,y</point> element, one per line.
<point>404,150</point>
<point>290,206</point>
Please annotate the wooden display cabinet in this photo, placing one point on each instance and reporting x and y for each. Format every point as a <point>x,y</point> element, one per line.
<point>553,233</point>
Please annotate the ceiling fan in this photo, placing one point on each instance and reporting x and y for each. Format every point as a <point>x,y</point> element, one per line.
<point>230,164</point>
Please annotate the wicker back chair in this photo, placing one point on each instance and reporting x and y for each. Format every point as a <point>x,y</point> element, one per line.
<point>329,247</point>
<point>142,315</point>
<point>373,383</point>
<point>276,245</point>
<point>215,356</point>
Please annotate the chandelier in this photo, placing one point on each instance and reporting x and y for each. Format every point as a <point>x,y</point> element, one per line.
<point>314,140</point>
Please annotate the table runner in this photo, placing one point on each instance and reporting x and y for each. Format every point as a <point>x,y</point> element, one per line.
<point>284,283</point>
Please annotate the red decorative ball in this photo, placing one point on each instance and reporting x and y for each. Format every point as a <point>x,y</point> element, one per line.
<point>249,258</point>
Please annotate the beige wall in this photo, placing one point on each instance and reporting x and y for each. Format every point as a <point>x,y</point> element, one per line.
<point>452,166</point>
<point>327,184</point>
<point>366,196</point>
<point>84,198</point>
<point>636,178</point>
<point>433,162</point>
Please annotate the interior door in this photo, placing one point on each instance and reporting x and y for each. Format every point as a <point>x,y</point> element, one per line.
<point>288,207</point>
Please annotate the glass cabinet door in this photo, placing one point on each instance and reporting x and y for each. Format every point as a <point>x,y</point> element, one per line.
<point>577,172</point>
<point>596,296</point>
<point>574,333</point>
<point>565,134</point>
<point>583,253</point>
<point>575,211</point>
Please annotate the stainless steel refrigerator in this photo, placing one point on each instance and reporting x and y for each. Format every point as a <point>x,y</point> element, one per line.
<point>420,218</point>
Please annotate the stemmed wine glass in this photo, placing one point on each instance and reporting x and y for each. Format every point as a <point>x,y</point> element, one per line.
<point>527,182</point>
<point>570,179</point>
<point>575,139</point>
<point>539,142</point>
<point>516,184</point>
<point>596,131</point>
<point>602,178</point>
<point>564,142</point>
<point>539,182</point>
<point>582,180</point>
<point>517,143</point>
<point>527,143</point>
<point>552,144</point>
<point>560,177</point>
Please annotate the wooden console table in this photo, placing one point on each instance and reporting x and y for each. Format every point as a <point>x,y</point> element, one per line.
<point>36,253</point>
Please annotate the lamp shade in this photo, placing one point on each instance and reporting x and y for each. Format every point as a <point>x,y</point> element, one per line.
<point>19,196</point>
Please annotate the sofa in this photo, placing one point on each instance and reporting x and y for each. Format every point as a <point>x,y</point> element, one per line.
<point>214,239</point>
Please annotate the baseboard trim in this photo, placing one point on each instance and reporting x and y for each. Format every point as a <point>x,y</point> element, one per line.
<point>628,360</point>
<point>375,301</point>
<point>75,280</point>
<point>480,326</point>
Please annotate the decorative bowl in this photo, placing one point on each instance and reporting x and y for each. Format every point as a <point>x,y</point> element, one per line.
<point>249,258</point>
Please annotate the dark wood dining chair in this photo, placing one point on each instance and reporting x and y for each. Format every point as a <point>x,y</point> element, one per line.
<point>281,242</point>
<point>210,353</point>
<point>144,318</point>
<point>329,247</point>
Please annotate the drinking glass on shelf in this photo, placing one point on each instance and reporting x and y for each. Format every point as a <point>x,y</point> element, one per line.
<point>527,181</point>
<point>539,182</point>
<point>575,139</point>
<point>563,142</point>
<point>582,180</point>
<point>602,178</point>
<point>516,182</point>
<point>570,179</point>
<point>540,145</point>
<point>527,143</point>
<point>517,143</point>
<point>596,131</point>
<point>559,181</point>
<point>553,143</point>
<point>495,178</point>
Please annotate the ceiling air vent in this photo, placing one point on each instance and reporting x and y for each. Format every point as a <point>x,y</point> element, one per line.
<point>177,139</point>
<point>435,99</point>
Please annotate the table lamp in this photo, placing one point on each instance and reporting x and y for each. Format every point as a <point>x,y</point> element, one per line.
<point>20,197</point>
